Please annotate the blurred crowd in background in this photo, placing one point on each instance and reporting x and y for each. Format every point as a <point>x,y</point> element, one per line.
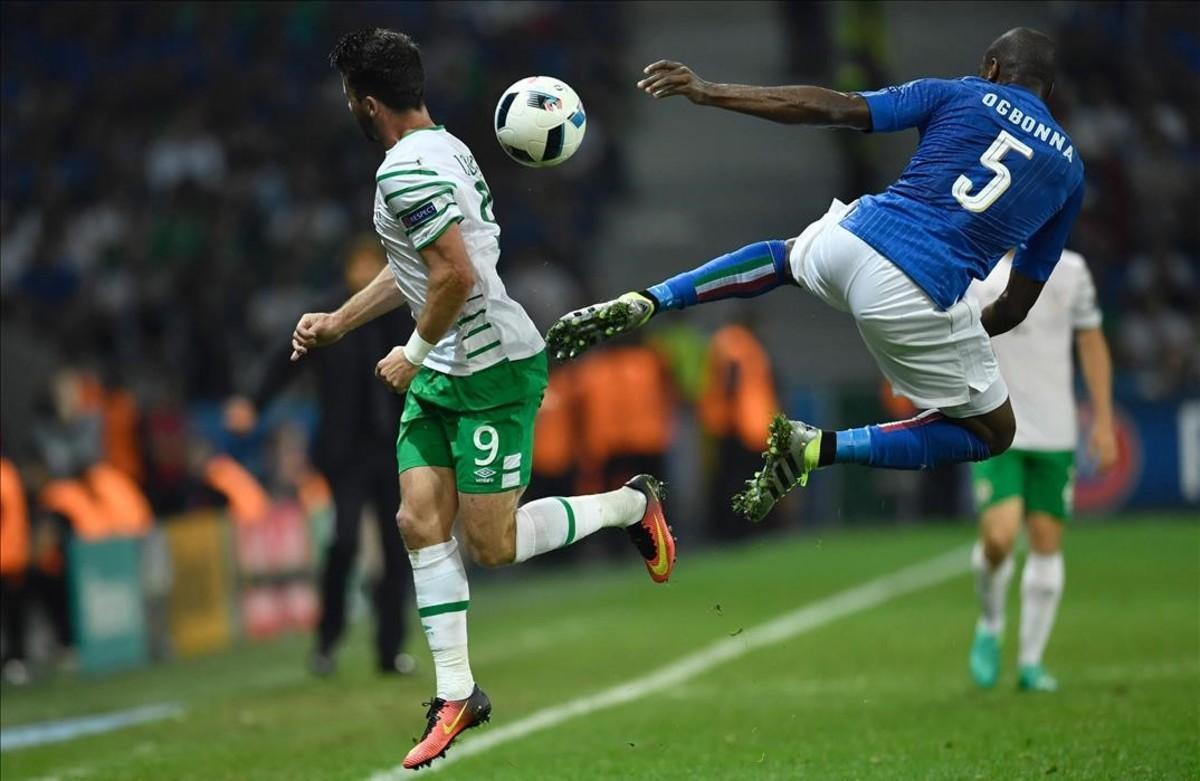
<point>181,180</point>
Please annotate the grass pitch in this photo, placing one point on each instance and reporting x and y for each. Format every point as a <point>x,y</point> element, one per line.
<point>878,694</point>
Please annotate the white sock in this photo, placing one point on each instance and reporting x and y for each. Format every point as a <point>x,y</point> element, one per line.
<point>442,599</point>
<point>553,523</point>
<point>1041,588</point>
<point>991,586</point>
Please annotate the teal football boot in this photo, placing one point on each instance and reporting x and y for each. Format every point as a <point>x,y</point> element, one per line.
<point>1034,678</point>
<point>985,658</point>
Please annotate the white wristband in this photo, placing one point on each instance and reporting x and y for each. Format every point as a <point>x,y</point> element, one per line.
<point>416,349</point>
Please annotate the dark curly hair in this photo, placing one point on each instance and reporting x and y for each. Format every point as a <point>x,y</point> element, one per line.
<point>383,64</point>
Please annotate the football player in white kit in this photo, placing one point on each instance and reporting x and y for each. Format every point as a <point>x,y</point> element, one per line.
<point>475,372</point>
<point>1034,479</point>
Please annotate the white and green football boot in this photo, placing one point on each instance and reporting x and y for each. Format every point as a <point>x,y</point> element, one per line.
<point>985,658</point>
<point>585,328</point>
<point>1034,678</point>
<point>793,449</point>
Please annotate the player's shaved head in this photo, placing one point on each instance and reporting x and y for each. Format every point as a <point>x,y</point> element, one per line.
<point>1021,56</point>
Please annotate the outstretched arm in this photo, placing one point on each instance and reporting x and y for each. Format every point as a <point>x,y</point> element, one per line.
<point>795,105</point>
<point>317,329</point>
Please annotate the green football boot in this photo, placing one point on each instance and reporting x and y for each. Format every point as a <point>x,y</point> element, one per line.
<point>585,328</point>
<point>985,658</point>
<point>1034,678</point>
<point>793,448</point>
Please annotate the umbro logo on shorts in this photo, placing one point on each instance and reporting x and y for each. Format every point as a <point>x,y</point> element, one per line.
<point>485,475</point>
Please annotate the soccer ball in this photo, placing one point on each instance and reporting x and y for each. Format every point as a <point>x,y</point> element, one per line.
<point>540,121</point>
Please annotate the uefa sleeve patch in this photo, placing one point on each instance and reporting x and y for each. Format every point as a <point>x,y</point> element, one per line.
<point>418,215</point>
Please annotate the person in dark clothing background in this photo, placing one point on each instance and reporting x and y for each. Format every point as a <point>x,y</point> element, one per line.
<point>354,448</point>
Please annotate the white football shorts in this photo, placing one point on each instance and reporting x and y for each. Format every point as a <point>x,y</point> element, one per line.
<point>937,359</point>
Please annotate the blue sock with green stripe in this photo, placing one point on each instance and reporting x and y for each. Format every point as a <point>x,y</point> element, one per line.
<point>443,596</point>
<point>556,522</point>
<point>745,273</point>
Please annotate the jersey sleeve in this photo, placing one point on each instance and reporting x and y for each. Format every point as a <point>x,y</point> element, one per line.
<point>421,200</point>
<point>907,105</point>
<point>1085,313</point>
<point>1037,257</point>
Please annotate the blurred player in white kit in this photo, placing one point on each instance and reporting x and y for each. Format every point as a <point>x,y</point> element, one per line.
<point>1034,479</point>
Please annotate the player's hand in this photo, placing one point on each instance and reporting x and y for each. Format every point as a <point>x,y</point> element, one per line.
<point>396,370</point>
<point>666,78</point>
<point>239,415</point>
<point>1102,446</point>
<point>315,329</point>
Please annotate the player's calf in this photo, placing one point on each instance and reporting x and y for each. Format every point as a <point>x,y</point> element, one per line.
<point>488,523</point>
<point>998,529</point>
<point>795,449</point>
<point>744,273</point>
<point>497,533</point>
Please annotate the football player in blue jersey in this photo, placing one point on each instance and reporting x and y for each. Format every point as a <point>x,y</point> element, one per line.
<point>993,171</point>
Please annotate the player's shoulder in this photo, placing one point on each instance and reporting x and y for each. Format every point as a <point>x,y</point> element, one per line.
<point>424,153</point>
<point>936,86</point>
<point>963,86</point>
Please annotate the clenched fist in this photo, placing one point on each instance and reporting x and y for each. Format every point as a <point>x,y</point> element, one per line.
<point>396,370</point>
<point>315,329</point>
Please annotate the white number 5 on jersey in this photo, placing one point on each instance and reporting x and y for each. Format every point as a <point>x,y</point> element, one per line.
<point>988,194</point>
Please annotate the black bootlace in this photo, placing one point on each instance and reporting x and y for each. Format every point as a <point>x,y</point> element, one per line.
<point>642,540</point>
<point>431,715</point>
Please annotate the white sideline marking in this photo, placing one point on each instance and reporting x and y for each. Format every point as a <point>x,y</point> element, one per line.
<point>871,594</point>
<point>44,732</point>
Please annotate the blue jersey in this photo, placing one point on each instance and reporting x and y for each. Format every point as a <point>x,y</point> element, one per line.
<point>993,171</point>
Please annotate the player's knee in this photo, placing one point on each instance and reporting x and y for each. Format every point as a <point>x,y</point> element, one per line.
<point>1002,438</point>
<point>1001,428</point>
<point>418,530</point>
<point>997,543</point>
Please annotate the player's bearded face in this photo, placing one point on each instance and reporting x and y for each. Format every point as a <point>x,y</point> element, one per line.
<point>359,109</point>
<point>365,122</point>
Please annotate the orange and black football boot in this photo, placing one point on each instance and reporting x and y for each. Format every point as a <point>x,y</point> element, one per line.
<point>652,536</point>
<point>447,720</point>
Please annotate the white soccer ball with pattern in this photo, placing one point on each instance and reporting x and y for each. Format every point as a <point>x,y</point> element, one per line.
<point>540,121</point>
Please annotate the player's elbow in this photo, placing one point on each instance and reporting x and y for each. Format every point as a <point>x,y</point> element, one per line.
<point>1015,318</point>
<point>456,279</point>
<point>851,112</point>
<point>463,278</point>
<point>1004,315</point>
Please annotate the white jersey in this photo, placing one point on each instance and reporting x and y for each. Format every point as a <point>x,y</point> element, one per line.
<point>1035,357</point>
<point>429,181</point>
